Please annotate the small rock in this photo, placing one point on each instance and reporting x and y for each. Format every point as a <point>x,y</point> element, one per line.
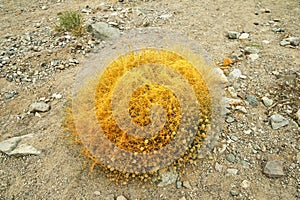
<point>233,35</point>
<point>61,67</point>
<point>229,119</point>
<point>267,102</point>
<point>232,171</point>
<point>278,121</point>
<point>103,31</point>
<point>23,150</point>
<point>294,41</point>
<point>168,178</point>
<point>253,57</point>
<point>97,193</point>
<point>274,169</point>
<point>266,41</point>
<point>44,7</point>
<point>56,96</point>
<point>278,30</point>
<point>165,16</point>
<point>234,192</point>
<point>187,184</point>
<point>234,138</point>
<point>121,197</point>
<point>267,10</point>
<point>252,100</point>
<point>241,108</point>
<point>221,75</point>
<point>232,92</point>
<point>230,157</point>
<point>244,36</point>
<point>178,184</point>
<point>235,74</point>
<point>9,95</point>
<point>182,198</point>
<point>218,167</point>
<point>245,184</point>
<point>251,50</point>
<point>39,107</point>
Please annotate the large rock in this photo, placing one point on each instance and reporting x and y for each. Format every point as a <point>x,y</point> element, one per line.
<point>11,147</point>
<point>103,31</point>
<point>24,150</point>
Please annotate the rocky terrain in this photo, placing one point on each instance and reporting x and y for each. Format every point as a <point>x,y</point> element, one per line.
<point>255,43</point>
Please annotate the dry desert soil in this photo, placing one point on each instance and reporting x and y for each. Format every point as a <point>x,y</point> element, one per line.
<point>257,154</point>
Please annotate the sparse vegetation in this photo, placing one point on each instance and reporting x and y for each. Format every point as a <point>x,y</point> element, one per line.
<point>70,21</point>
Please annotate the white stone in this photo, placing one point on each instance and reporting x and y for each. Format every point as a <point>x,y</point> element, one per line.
<point>253,56</point>
<point>245,184</point>
<point>244,36</point>
<point>267,102</point>
<point>39,107</point>
<point>278,121</point>
<point>232,171</point>
<point>235,74</point>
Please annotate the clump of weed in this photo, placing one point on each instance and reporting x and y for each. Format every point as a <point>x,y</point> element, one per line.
<point>71,21</point>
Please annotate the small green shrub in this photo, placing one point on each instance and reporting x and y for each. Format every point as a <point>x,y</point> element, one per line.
<point>70,21</point>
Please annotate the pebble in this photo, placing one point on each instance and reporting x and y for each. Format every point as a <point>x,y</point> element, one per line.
<point>274,169</point>
<point>218,167</point>
<point>44,7</point>
<point>121,197</point>
<point>244,36</point>
<point>253,57</point>
<point>245,184</point>
<point>294,41</point>
<point>103,31</point>
<point>229,119</point>
<point>234,192</point>
<point>178,184</point>
<point>251,50</point>
<point>241,109</point>
<point>232,171</point>
<point>182,198</point>
<point>278,121</point>
<point>9,95</point>
<point>167,178</point>
<point>252,100</point>
<point>267,102</point>
<point>165,16</point>
<point>39,107</point>
<point>97,193</point>
<point>233,35</point>
<point>232,92</point>
<point>56,96</point>
<point>230,157</point>
<point>235,74</point>
<point>187,184</point>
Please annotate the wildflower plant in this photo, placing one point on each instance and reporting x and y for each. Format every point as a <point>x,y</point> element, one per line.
<point>152,107</point>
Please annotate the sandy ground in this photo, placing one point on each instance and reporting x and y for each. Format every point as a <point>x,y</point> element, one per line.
<point>62,172</point>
